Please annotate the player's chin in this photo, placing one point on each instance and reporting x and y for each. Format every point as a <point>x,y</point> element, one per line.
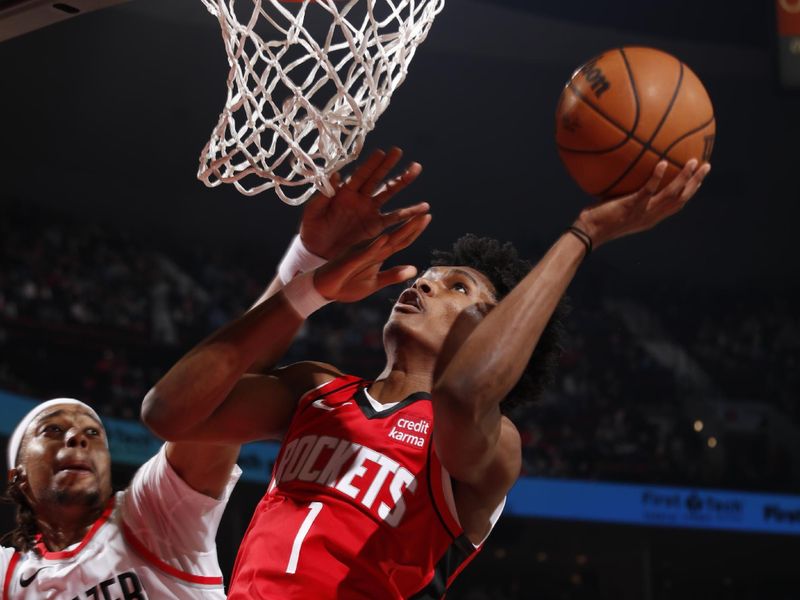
<point>74,490</point>
<point>403,322</point>
<point>78,496</point>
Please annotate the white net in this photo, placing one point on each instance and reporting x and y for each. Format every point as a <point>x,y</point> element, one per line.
<point>307,82</point>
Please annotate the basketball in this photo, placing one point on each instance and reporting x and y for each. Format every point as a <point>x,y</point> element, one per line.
<point>624,111</point>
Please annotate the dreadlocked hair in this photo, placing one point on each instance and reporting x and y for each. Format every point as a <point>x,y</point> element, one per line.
<point>23,536</point>
<point>501,264</point>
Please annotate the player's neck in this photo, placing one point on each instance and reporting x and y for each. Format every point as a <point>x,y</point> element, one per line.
<point>62,527</point>
<point>400,379</point>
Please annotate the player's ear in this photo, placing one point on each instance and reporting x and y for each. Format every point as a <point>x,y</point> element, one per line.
<point>17,478</point>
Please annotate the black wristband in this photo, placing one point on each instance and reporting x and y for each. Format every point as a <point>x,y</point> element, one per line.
<point>583,237</point>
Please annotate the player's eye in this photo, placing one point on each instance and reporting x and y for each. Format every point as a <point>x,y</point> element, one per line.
<point>52,428</point>
<point>460,287</point>
<point>92,432</point>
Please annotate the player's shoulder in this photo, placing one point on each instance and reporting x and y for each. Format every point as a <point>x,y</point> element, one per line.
<point>307,375</point>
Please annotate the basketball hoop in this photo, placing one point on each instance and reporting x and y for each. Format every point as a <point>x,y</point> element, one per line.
<point>307,82</point>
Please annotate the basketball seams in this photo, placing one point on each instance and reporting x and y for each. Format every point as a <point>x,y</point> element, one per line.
<point>648,145</point>
<point>688,134</point>
<point>599,151</point>
<point>602,113</point>
<point>629,134</point>
<point>634,90</point>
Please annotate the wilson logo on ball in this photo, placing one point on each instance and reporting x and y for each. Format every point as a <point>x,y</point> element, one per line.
<point>596,79</point>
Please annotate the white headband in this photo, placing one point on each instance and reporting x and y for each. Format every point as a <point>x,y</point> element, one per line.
<point>16,438</point>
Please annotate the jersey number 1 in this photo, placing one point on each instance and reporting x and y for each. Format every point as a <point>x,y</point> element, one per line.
<point>313,511</point>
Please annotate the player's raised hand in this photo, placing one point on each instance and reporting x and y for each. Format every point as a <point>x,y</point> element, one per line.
<point>611,219</point>
<point>354,214</point>
<point>357,273</point>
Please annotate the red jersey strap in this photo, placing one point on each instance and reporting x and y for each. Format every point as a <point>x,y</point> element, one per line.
<point>12,565</point>
<point>63,554</point>
<point>333,386</point>
<point>436,491</point>
<point>159,564</point>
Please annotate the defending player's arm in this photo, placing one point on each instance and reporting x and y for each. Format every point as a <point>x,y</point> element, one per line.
<point>477,445</point>
<point>207,395</point>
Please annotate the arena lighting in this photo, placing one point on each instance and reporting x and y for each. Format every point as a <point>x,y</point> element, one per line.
<point>712,442</point>
<point>698,426</point>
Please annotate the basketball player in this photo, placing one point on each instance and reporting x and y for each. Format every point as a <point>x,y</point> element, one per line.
<point>75,539</point>
<point>387,487</point>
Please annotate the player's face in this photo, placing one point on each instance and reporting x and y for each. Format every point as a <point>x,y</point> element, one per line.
<point>445,303</point>
<point>65,460</point>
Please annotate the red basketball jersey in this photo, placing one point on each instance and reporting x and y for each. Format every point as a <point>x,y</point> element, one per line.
<point>356,507</point>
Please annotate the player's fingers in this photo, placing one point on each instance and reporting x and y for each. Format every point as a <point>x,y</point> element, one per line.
<point>674,188</point>
<point>691,187</point>
<point>405,235</point>
<point>388,163</point>
<point>403,214</point>
<point>395,275</point>
<point>365,254</point>
<point>364,171</point>
<point>674,203</point>
<point>652,185</point>
<point>316,206</point>
<point>402,181</point>
<point>674,191</point>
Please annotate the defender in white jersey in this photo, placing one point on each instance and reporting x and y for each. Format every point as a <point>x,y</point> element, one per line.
<point>76,540</point>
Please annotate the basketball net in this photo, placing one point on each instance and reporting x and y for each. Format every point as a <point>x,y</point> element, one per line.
<point>307,82</point>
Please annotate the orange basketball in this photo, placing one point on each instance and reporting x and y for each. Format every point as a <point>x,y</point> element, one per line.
<point>624,111</point>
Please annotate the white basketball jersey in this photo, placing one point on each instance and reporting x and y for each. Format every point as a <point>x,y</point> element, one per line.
<point>154,541</point>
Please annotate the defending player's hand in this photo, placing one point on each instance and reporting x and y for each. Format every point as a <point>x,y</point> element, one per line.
<point>331,225</point>
<point>357,273</point>
<point>611,219</point>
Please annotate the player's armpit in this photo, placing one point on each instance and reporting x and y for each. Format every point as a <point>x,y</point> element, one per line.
<point>206,468</point>
<point>477,498</point>
<point>470,444</point>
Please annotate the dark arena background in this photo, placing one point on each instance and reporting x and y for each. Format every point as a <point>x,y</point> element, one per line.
<point>665,461</point>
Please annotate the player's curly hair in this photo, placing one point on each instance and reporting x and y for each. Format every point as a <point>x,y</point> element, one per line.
<point>23,536</point>
<point>502,265</point>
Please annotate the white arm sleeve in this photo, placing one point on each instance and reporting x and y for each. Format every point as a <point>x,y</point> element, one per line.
<point>170,518</point>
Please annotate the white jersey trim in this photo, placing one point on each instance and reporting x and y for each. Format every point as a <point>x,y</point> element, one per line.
<point>377,406</point>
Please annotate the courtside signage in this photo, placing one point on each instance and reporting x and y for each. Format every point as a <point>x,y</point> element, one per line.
<point>657,506</point>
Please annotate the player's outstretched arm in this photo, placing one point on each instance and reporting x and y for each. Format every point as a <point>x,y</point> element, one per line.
<point>207,396</point>
<point>476,444</point>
